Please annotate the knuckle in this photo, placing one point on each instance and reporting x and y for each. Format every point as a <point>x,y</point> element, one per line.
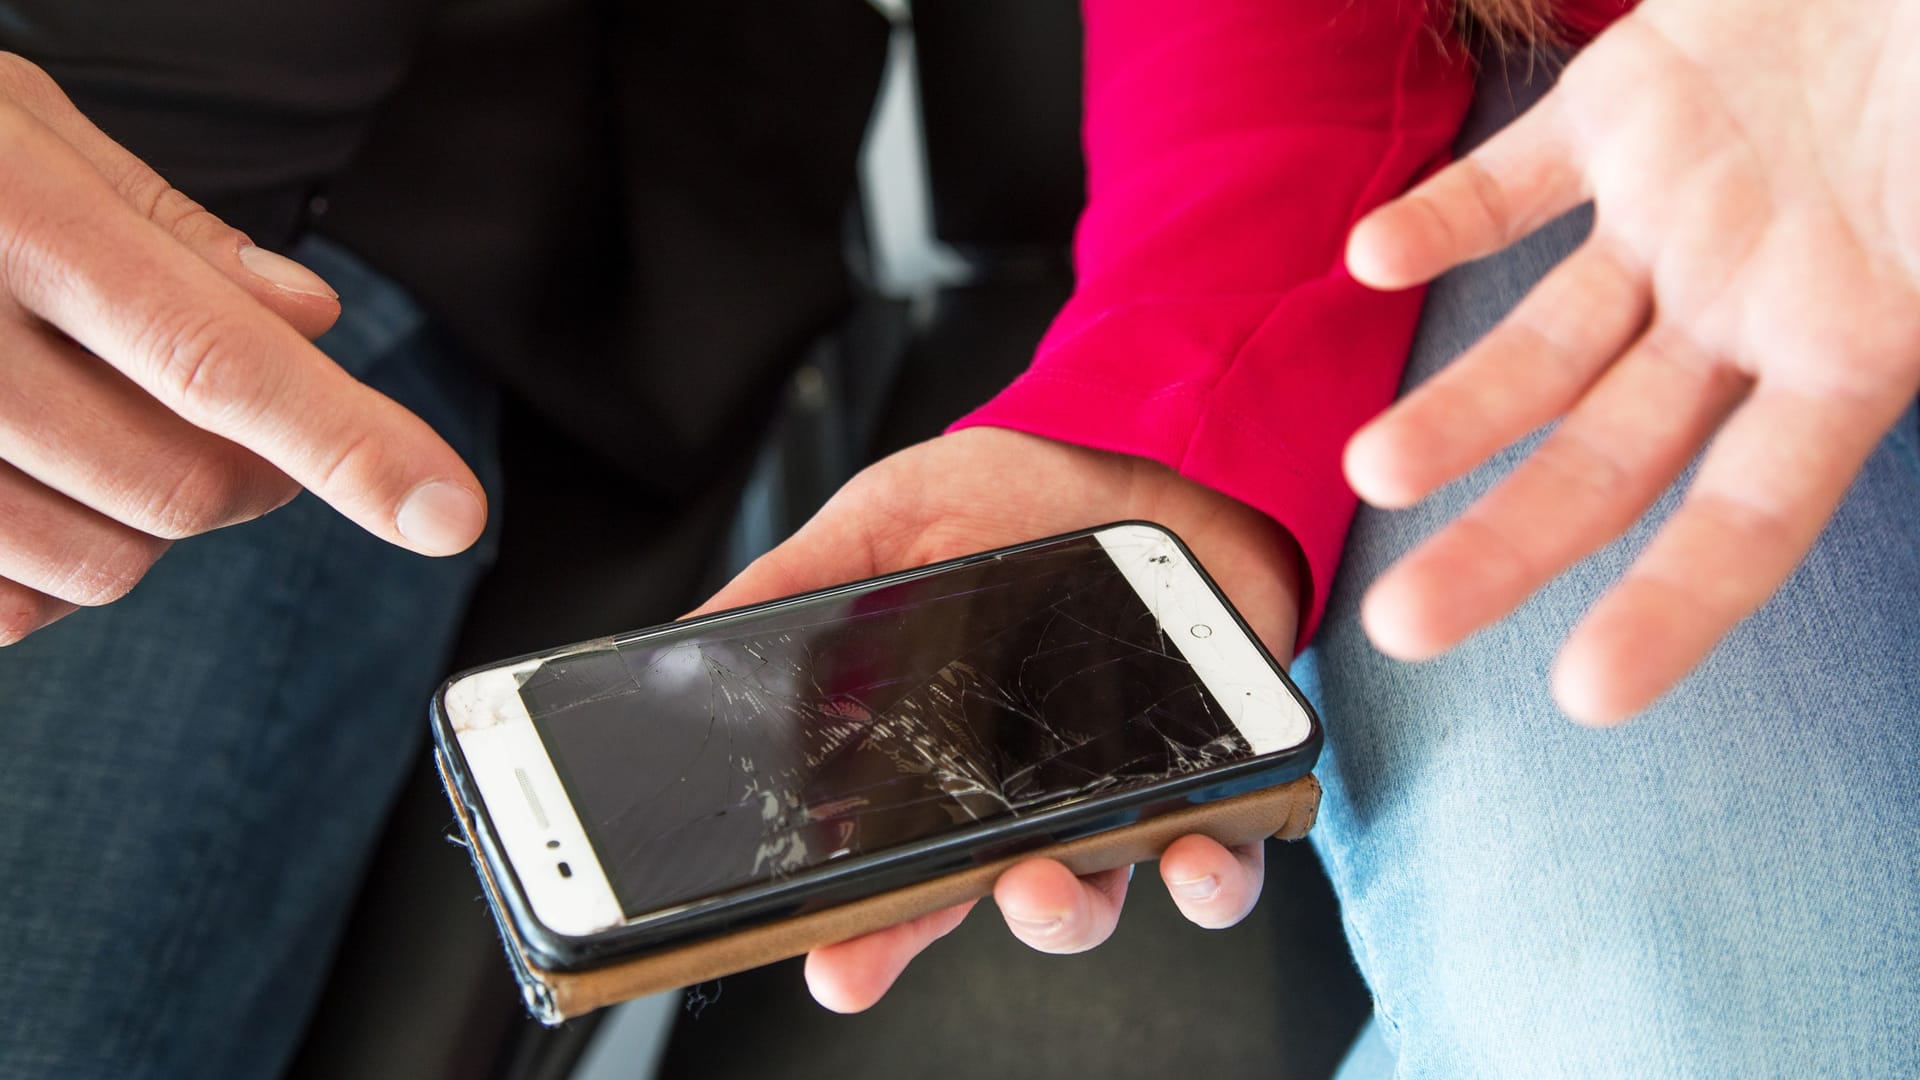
<point>1762,523</point>
<point>1501,559</point>
<point>155,199</point>
<point>356,464</point>
<point>110,572</point>
<point>258,489</point>
<point>214,490</point>
<point>203,364</point>
<point>1583,464</point>
<point>1488,199</point>
<point>183,218</point>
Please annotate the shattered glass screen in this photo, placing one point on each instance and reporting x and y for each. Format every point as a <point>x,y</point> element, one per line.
<point>758,748</point>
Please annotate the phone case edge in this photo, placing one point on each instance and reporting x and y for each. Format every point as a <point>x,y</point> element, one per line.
<point>1286,812</point>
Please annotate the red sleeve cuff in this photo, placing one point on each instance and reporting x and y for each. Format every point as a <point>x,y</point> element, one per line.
<point>1265,430</point>
<point>1231,145</point>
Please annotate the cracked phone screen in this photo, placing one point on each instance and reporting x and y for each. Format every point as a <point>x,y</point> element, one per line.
<point>758,747</point>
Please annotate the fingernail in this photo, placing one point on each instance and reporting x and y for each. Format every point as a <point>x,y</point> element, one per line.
<point>283,273</point>
<point>1205,888</point>
<point>441,518</point>
<point>1035,927</point>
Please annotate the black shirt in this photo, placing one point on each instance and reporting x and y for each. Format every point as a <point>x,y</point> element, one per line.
<point>247,106</point>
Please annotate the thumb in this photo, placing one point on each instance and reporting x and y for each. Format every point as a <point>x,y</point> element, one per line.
<point>832,548</point>
<point>285,287</point>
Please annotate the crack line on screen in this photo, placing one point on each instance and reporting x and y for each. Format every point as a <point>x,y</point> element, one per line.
<point>812,750</point>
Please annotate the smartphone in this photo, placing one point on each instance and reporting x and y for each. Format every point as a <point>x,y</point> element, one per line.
<point>673,784</point>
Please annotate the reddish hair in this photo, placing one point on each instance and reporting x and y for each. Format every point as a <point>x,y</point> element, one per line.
<point>1510,23</point>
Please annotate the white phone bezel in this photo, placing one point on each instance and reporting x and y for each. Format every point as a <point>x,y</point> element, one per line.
<point>538,828</point>
<point>1230,664</point>
<point>527,804</point>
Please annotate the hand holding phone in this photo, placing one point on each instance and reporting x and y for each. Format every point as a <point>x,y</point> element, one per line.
<point>987,487</point>
<point>742,786</point>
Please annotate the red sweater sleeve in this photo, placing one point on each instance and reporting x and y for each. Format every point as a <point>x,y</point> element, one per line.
<point>1231,145</point>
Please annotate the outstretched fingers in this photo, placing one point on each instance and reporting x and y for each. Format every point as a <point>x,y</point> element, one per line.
<point>287,288</point>
<point>1530,369</point>
<point>1586,483</point>
<point>84,261</point>
<point>1764,492</point>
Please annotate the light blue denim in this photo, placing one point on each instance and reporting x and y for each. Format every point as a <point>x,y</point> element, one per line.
<point>192,779</point>
<point>1729,887</point>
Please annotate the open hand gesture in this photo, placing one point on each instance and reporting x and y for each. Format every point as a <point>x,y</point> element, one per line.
<point>1753,279</point>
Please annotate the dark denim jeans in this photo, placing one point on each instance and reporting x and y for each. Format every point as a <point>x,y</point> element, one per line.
<point>192,779</point>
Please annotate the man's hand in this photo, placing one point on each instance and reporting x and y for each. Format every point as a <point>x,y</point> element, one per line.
<point>1753,277</point>
<point>985,488</point>
<point>156,378</point>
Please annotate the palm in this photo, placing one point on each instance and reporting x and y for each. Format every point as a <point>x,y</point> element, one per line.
<point>986,488</point>
<point>1753,278</point>
<point>1767,221</point>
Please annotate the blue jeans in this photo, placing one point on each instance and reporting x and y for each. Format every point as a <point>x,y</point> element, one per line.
<point>1728,887</point>
<point>191,779</point>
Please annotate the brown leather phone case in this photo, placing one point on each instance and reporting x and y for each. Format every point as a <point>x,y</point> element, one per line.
<point>1286,812</point>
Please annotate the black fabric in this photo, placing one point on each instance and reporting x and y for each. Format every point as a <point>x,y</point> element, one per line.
<point>246,106</point>
<point>633,210</point>
<point>1000,97</point>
